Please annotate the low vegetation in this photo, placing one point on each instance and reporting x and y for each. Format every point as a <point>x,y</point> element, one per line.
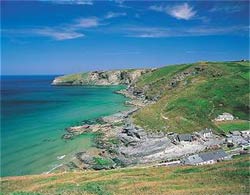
<point>73,77</point>
<point>237,125</point>
<point>102,163</point>
<point>192,95</point>
<point>112,77</point>
<point>228,177</point>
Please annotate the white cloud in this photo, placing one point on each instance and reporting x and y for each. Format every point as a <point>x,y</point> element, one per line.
<point>183,11</point>
<point>61,32</point>
<point>115,14</point>
<point>86,22</point>
<point>147,32</point>
<point>71,2</point>
<point>151,35</point>
<point>84,2</point>
<point>204,52</point>
<point>226,8</point>
<point>158,8</point>
<point>58,35</point>
<point>68,31</point>
<point>154,32</point>
<point>53,33</point>
<point>120,3</point>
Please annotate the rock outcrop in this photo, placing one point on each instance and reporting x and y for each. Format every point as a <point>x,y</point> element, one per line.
<point>115,77</point>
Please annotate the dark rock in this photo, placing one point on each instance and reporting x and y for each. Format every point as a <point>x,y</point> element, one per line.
<point>67,136</point>
<point>89,122</point>
<point>230,145</point>
<point>103,163</point>
<point>199,69</point>
<point>72,165</point>
<point>128,140</point>
<point>85,158</point>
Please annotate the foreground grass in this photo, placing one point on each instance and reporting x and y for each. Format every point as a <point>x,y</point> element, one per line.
<point>196,100</point>
<point>229,177</point>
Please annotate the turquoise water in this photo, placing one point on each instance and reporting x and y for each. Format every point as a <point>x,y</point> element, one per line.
<point>34,116</point>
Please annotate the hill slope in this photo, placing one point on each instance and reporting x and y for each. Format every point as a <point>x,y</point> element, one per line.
<point>190,96</point>
<point>229,177</point>
<point>113,77</point>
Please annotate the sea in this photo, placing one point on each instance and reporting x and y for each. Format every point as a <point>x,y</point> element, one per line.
<point>34,115</point>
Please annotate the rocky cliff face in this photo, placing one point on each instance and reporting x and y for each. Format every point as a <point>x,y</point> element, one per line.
<point>116,77</point>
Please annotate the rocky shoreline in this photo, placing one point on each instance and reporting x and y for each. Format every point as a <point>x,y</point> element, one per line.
<point>120,143</point>
<point>112,132</point>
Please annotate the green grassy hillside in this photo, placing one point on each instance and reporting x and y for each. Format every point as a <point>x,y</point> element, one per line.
<point>111,77</point>
<point>191,95</point>
<point>229,177</point>
<point>73,77</point>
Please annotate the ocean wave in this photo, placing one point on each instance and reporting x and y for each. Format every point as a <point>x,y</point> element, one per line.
<point>55,167</point>
<point>60,157</point>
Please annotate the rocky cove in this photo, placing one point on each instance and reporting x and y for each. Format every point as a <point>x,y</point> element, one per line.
<point>121,143</point>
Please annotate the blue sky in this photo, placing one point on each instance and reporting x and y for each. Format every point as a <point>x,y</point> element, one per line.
<point>61,37</point>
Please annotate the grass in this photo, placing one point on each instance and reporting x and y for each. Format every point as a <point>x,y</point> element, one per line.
<point>102,163</point>
<point>74,78</point>
<point>197,99</point>
<point>25,193</point>
<point>156,80</point>
<point>229,177</point>
<point>188,170</point>
<point>237,125</point>
<point>95,188</point>
<point>85,79</point>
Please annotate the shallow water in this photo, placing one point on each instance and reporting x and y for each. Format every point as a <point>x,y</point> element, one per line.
<point>34,116</point>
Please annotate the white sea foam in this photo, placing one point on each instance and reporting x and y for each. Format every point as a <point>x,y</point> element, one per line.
<point>53,169</point>
<point>60,157</point>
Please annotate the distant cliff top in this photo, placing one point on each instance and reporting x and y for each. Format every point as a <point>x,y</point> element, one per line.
<point>113,77</point>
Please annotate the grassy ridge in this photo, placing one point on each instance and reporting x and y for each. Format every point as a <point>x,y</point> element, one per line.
<point>157,79</point>
<point>197,99</point>
<point>87,78</point>
<point>74,77</point>
<point>229,177</point>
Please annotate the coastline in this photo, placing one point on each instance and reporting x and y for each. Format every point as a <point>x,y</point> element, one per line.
<point>120,143</point>
<point>101,127</point>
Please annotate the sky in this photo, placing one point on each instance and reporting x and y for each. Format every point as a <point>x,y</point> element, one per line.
<point>63,37</point>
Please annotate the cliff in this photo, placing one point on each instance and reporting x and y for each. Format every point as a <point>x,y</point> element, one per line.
<point>115,77</point>
<point>187,97</point>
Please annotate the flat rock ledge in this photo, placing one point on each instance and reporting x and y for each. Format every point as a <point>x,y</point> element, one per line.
<point>120,143</point>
